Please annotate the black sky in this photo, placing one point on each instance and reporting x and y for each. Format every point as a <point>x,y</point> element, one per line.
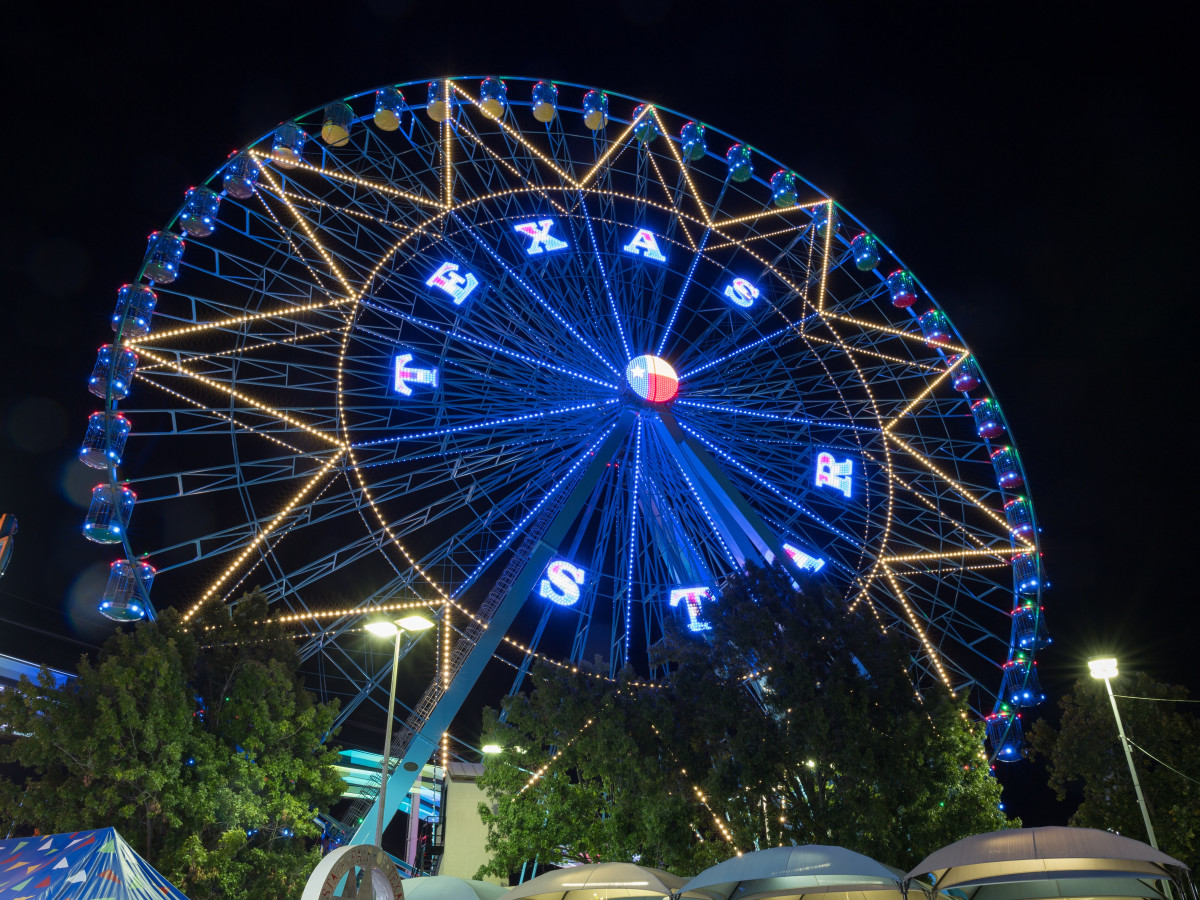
<point>1029,164</point>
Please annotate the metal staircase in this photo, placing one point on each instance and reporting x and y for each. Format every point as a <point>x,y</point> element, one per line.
<point>421,713</point>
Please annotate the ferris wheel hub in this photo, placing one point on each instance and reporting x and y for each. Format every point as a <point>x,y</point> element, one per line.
<point>652,378</point>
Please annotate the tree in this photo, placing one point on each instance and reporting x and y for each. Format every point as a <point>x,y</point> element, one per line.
<point>793,721</point>
<point>583,776</point>
<point>1084,755</point>
<point>208,758</point>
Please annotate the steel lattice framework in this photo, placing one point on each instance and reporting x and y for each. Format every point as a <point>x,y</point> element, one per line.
<point>399,372</point>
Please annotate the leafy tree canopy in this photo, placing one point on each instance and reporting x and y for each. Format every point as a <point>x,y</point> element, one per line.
<point>1084,755</point>
<point>792,721</point>
<point>199,745</point>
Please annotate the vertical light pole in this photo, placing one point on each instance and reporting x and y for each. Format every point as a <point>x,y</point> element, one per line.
<point>1106,669</point>
<point>388,628</point>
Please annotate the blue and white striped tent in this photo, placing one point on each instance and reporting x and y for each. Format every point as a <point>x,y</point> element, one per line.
<point>82,865</point>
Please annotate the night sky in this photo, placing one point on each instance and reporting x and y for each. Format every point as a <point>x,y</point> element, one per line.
<point>1028,164</point>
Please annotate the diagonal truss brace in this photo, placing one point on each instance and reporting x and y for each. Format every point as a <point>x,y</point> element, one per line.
<point>744,531</point>
<point>432,715</point>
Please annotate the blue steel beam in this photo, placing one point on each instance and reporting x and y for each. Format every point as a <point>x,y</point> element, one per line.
<point>744,531</point>
<point>424,740</point>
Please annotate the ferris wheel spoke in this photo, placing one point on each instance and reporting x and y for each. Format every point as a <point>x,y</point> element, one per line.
<point>210,420</point>
<point>784,334</point>
<point>506,420</point>
<point>479,354</point>
<point>708,533</point>
<point>262,534</point>
<point>519,137</point>
<point>486,471</point>
<point>618,318</point>
<point>459,335</point>
<point>537,297</point>
<point>221,388</point>
<point>682,293</point>
<point>378,187</point>
<point>791,420</point>
<point>957,487</point>
<point>627,588</point>
<point>309,231</point>
<point>550,482</point>
<point>785,496</point>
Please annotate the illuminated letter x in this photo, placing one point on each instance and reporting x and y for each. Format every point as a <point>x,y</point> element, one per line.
<point>542,239</point>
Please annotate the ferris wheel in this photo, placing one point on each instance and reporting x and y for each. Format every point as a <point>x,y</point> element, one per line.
<point>553,362</point>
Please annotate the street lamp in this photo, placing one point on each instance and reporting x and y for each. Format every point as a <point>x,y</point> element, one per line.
<point>1106,669</point>
<point>389,628</point>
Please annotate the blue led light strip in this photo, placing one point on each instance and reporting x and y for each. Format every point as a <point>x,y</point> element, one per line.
<point>524,520</point>
<point>487,345</point>
<point>612,301</point>
<point>799,420</point>
<point>687,282</point>
<point>492,449</point>
<point>532,291</point>
<point>633,520</point>
<point>729,557</point>
<point>738,352</point>
<point>459,429</point>
<point>786,498</point>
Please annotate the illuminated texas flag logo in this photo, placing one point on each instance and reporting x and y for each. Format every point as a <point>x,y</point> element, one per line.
<point>652,379</point>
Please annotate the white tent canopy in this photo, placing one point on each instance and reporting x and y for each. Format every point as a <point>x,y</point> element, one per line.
<point>447,887</point>
<point>598,881</point>
<point>833,872</point>
<point>1039,863</point>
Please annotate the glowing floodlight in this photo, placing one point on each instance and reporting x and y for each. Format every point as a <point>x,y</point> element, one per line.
<point>1103,668</point>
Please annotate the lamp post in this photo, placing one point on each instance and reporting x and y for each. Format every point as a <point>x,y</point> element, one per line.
<point>388,628</point>
<point>1106,669</point>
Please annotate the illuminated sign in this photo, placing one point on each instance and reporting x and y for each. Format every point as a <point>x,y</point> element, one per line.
<point>834,474</point>
<point>539,232</point>
<point>652,379</point>
<point>742,292</point>
<point>644,244</point>
<point>457,286</point>
<point>692,597</point>
<point>562,583</point>
<point>406,375</point>
<point>803,560</point>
